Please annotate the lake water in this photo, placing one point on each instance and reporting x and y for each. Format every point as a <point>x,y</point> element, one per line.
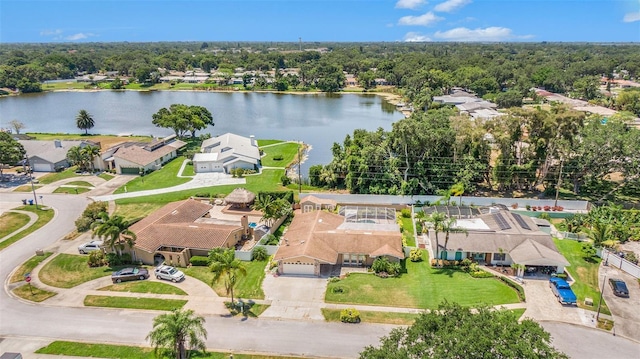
<point>317,119</point>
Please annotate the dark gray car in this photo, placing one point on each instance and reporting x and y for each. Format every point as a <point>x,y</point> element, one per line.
<point>619,287</point>
<point>132,273</point>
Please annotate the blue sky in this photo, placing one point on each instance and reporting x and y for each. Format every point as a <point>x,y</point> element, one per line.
<point>320,20</point>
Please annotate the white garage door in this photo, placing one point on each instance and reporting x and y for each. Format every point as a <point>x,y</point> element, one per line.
<point>42,167</point>
<point>299,268</point>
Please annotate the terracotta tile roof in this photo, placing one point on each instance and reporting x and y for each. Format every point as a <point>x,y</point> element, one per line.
<point>316,235</point>
<point>175,225</point>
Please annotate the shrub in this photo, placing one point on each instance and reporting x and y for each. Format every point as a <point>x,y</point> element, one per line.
<point>545,216</point>
<point>278,158</point>
<point>380,264</point>
<point>90,215</point>
<point>350,315</point>
<point>415,255</point>
<point>394,269</point>
<point>515,286</point>
<point>528,207</point>
<point>547,208</point>
<point>259,254</point>
<point>285,180</point>
<point>334,279</point>
<point>561,275</point>
<point>418,228</point>
<point>287,195</point>
<point>83,224</point>
<point>202,195</point>
<point>96,259</point>
<point>199,261</point>
<point>405,213</point>
<point>466,264</point>
<point>337,290</point>
<point>271,240</point>
<point>481,274</point>
<point>514,206</point>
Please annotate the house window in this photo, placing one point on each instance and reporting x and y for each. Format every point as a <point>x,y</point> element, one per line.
<point>499,257</point>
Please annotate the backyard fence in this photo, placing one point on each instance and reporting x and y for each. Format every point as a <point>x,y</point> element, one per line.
<point>573,236</point>
<point>614,260</point>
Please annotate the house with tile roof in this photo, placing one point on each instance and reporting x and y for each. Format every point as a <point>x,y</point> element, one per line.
<point>180,230</point>
<point>50,156</point>
<point>316,240</point>
<point>141,157</point>
<point>226,152</point>
<point>500,237</point>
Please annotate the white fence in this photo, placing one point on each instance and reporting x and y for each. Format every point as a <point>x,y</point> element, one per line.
<point>614,260</point>
<point>574,236</point>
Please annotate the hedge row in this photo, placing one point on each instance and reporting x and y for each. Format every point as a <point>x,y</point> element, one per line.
<point>515,286</point>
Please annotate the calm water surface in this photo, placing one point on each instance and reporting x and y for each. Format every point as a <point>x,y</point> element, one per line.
<point>316,119</point>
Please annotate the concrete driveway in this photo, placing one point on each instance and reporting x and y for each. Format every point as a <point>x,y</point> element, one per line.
<point>294,297</point>
<point>543,305</point>
<point>625,311</point>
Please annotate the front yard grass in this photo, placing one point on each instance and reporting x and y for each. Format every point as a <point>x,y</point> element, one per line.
<point>106,176</point>
<point>144,286</point>
<point>72,190</point>
<point>133,303</point>
<point>57,176</point>
<point>248,286</point>
<point>165,177</point>
<point>12,221</point>
<point>44,216</point>
<point>368,316</point>
<point>32,293</point>
<point>286,151</point>
<point>421,287</point>
<point>69,270</point>
<point>27,267</point>
<point>60,347</point>
<point>584,272</point>
<point>26,188</point>
<point>262,143</point>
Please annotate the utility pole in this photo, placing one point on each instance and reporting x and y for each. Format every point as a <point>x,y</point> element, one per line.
<point>300,43</point>
<point>559,182</point>
<point>600,302</point>
<point>30,173</point>
<point>299,170</point>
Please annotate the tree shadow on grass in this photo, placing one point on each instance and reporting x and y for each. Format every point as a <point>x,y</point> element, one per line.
<point>445,271</point>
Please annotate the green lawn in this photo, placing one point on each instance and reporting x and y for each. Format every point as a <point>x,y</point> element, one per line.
<point>131,352</point>
<point>407,231</point>
<point>333,315</point>
<point>12,221</point>
<point>26,188</point>
<point>44,216</point>
<point>249,286</point>
<point>27,267</point>
<point>106,176</point>
<point>162,178</point>
<point>421,287</point>
<point>144,286</point>
<point>32,293</point>
<point>288,152</point>
<point>269,180</point>
<point>268,142</point>
<point>57,176</point>
<point>585,274</point>
<point>72,190</point>
<point>69,270</point>
<point>79,183</point>
<point>133,303</point>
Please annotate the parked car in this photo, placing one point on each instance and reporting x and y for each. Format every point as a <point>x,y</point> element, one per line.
<point>619,287</point>
<point>126,274</point>
<point>90,247</point>
<point>562,290</point>
<point>169,273</point>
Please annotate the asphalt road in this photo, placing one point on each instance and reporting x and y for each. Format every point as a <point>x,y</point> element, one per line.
<point>580,342</point>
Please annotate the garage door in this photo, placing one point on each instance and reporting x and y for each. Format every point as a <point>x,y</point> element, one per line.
<point>299,268</point>
<point>42,167</point>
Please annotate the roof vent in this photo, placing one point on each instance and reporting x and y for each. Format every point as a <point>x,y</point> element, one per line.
<point>175,211</point>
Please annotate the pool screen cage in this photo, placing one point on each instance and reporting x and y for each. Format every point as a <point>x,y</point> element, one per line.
<point>358,214</point>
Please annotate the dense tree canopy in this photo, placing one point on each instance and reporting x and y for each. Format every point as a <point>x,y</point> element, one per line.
<point>11,151</point>
<point>454,332</point>
<point>182,119</point>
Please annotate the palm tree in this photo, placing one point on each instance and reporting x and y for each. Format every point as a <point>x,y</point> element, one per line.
<point>457,190</point>
<point>77,157</point>
<point>436,219</point>
<point>600,232</point>
<point>113,230</point>
<point>177,331</point>
<point>90,153</point>
<point>84,121</point>
<point>448,226</point>
<point>223,263</point>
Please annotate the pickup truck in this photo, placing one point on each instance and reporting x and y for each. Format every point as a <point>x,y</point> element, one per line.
<point>562,290</point>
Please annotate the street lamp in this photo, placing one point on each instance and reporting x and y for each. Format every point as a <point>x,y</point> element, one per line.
<point>29,173</point>
<point>600,302</point>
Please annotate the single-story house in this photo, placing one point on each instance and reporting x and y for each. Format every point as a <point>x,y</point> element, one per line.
<point>50,156</point>
<point>319,238</point>
<point>138,157</point>
<point>312,203</point>
<point>226,152</point>
<point>500,237</point>
<point>179,230</point>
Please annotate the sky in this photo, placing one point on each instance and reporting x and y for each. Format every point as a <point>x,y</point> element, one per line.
<point>320,20</point>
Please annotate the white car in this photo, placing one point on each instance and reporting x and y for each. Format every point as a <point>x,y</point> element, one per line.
<point>169,273</point>
<point>90,247</point>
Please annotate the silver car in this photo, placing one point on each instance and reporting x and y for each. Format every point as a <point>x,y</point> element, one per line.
<point>90,247</point>
<point>169,273</point>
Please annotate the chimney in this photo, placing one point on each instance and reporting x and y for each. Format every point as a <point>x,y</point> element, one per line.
<point>244,221</point>
<point>253,140</point>
<point>57,143</point>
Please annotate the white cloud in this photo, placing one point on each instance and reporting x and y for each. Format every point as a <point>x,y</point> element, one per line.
<point>631,17</point>
<point>450,5</point>
<point>416,37</point>
<point>493,33</point>
<point>79,36</point>
<point>50,32</point>
<point>422,20</point>
<point>409,4</point>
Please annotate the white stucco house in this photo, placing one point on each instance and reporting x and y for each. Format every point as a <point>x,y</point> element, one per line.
<point>226,152</point>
